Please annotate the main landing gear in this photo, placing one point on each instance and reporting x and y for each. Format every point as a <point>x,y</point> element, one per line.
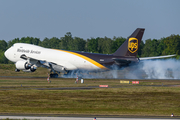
<point>53,75</point>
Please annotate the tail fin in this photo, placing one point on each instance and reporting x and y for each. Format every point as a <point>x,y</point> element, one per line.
<point>131,45</point>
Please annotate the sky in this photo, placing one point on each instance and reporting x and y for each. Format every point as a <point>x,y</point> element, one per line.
<point>88,18</point>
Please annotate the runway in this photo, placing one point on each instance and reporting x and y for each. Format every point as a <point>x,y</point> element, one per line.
<point>80,118</point>
<point>83,88</point>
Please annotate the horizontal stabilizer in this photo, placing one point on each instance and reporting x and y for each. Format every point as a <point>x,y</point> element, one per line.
<point>156,57</point>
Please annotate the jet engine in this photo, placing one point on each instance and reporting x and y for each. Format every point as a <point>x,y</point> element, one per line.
<point>58,68</point>
<point>33,68</point>
<point>25,66</point>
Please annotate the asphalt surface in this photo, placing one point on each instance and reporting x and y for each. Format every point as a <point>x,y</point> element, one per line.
<point>78,88</point>
<point>80,118</point>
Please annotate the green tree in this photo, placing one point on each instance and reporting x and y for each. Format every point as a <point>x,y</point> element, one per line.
<point>117,42</point>
<point>100,45</point>
<point>29,40</point>
<point>67,41</point>
<point>79,44</point>
<point>3,59</point>
<point>141,46</point>
<point>10,43</point>
<point>54,43</point>
<point>45,43</point>
<point>92,45</point>
<point>161,47</point>
<point>173,45</point>
<point>107,45</point>
<point>147,48</point>
<point>3,45</point>
<point>35,41</point>
<point>150,48</point>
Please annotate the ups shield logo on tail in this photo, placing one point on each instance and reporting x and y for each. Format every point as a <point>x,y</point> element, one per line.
<point>133,45</point>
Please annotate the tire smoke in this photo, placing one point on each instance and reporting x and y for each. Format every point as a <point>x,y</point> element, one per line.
<point>162,69</point>
<point>148,69</point>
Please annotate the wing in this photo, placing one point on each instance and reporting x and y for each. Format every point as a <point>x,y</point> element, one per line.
<point>43,63</point>
<point>156,57</point>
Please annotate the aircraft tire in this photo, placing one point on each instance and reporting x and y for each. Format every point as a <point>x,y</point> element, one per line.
<point>17,70</point>
<point>55,75</point>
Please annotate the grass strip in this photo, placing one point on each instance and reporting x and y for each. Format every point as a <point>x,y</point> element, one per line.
<point>109,101</point>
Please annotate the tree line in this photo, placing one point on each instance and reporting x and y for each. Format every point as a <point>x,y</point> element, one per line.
<point>151,47</point>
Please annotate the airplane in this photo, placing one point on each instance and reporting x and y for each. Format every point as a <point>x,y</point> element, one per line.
<point>28,57</point>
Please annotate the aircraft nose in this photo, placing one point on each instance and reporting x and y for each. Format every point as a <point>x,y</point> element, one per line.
<point>9,54</point>
<point>6,53</point>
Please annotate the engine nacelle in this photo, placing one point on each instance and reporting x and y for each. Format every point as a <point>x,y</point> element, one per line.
<point>22,65</point>
<point>25,66</point>
<point>58,68</point>
<point>33,68</point>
